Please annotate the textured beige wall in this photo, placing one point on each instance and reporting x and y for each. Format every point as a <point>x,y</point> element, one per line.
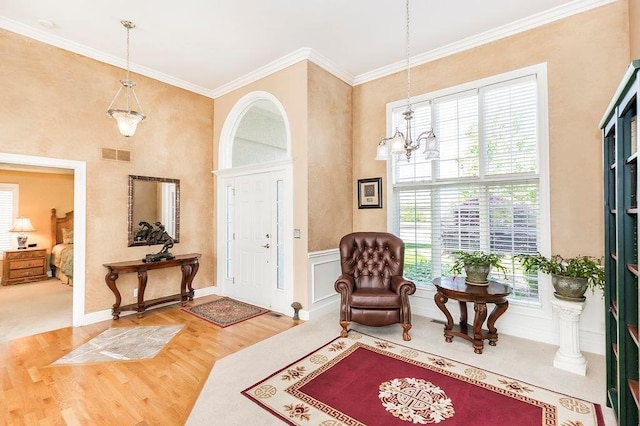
<point>54,105</point>
<point>289,86</point>
<point>634,28</point>
<point>329,159</point>
<point>586,56</point>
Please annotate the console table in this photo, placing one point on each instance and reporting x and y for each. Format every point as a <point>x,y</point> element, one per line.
<point>457,289</point>
<point>187,262</point>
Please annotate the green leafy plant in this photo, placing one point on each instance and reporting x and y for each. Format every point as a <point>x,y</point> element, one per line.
<point>478,258</point>
<point>577,267</point>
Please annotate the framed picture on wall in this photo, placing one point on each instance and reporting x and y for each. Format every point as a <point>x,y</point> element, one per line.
<point>370,193</point>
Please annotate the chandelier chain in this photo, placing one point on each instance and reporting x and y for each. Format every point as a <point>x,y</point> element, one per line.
<point>128,27</point>
<point>408,60</point>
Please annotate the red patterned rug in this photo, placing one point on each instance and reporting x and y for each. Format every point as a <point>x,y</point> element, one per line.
<point>363,380</point>
<point>225,311</point>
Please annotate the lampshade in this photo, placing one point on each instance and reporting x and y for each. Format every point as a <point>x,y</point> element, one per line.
<point>127,121</point>
<point>22,224</point>
<point>383,151</point>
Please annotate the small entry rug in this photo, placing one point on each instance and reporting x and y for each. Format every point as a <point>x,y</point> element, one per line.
<point>123,344</point>
<point>364,380</point>
<point>225,311</point>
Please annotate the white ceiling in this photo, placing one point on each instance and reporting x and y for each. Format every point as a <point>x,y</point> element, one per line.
<point>213,46</point>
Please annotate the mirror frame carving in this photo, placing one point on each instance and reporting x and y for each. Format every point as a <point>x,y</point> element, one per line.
<point>130,199</point>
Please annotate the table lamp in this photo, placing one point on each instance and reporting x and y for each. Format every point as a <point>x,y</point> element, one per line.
<point>22,225</point>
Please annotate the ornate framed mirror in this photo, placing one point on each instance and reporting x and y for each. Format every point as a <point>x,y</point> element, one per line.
<point>151,200</point>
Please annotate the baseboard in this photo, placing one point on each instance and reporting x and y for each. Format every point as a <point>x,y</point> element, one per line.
<point>105,315</point>
<point>94,317</point>
<point>206,291</point>
<point>320,309</point>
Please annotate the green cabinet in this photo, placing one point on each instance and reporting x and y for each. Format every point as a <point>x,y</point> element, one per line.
<point>620,154</point>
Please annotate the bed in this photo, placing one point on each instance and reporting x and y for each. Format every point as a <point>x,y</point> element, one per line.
<point>62,247</point>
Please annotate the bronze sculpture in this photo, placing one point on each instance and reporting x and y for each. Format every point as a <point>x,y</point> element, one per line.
<point>158,235</point>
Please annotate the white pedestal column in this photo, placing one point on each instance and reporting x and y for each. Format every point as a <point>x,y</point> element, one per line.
<point>569,357</point>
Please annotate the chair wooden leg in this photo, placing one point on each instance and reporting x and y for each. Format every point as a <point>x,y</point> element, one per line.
<point>344,325</point>
<point>405,332</point>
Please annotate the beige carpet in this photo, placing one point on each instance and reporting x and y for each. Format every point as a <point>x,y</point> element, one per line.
<point>520,359</point>
<point>32,308</point>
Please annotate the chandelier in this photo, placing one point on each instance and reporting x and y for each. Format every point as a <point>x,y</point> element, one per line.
<point>403,143</point>
<point>126,117</point>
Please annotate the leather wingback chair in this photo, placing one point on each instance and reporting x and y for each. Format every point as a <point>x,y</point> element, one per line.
<point>372,289</point>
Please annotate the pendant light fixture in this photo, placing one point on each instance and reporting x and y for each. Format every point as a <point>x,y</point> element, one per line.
<point>127,117</point>
<point>403,143</point>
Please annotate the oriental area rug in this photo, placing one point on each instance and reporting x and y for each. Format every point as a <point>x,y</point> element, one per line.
<point>225,311</point>
<point>364,380</point>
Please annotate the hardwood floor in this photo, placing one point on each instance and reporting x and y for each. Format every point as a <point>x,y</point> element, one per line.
<point>158,391</point>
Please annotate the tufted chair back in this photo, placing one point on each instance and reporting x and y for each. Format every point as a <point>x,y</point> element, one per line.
<point>372,258</point>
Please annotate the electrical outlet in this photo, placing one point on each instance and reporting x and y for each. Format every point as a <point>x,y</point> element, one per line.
<point>135,292</point>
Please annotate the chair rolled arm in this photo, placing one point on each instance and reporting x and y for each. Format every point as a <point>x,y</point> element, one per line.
<point>345,284</point>
<point>401,285</point>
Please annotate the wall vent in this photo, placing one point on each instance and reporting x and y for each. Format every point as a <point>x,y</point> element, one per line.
<point>116,154</point>
<point>124,155</point>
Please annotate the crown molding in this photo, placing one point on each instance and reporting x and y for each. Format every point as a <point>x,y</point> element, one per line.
<point>62,43</point>
<point>306,53</point>
<point>331,67</point>
<point>551,15</point>
<point>272,67</point>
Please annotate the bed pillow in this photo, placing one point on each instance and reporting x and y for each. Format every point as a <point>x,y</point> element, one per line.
<point>67,236</point>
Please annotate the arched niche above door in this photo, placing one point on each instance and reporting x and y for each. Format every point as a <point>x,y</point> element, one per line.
<point>260,133</point>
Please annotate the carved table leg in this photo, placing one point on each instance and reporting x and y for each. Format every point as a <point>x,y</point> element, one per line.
<point>186,271</point>
<point>441,301</point>
<point>481,315</point>
<point>142,285</point>
<point>110,279</point>
<point>463,316</point>
<point>186,286</point>
<point>498,310</point>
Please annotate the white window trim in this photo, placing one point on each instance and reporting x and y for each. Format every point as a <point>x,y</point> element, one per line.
<point>544,283</point>
<point>15,189</point>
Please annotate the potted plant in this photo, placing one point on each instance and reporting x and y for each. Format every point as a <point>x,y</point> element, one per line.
<point>477,265</point>
<point>570,277</point>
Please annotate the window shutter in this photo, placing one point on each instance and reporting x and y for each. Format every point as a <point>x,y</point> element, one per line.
<point>8,208</point>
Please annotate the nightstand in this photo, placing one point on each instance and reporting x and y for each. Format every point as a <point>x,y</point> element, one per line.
<point>24,266</point>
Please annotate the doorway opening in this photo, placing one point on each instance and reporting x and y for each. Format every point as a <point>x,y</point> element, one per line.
<point>78,168</point>
<point>255,195</point>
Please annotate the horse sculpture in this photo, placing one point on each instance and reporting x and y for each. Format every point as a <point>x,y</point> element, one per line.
<point>158,235</point>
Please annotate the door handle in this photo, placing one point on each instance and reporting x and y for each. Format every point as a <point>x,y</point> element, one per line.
<point>265,246</point>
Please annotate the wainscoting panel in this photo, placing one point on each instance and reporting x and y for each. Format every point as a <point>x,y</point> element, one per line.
<point>324,269</point>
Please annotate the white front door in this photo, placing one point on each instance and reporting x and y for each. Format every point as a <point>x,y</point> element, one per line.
<point>255,243</point>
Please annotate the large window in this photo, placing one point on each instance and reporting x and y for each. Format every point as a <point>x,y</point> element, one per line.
<point>484,191</point>
<point>8,211</point>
